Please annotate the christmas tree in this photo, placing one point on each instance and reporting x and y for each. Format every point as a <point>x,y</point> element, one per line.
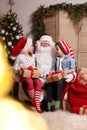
<point>11,31</point>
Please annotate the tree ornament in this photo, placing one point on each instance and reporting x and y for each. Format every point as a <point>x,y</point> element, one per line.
<point>9,43</point>
<point>14,28</point>
<point>6,33</point>
<point>2,31</point>
<point>17,37</point>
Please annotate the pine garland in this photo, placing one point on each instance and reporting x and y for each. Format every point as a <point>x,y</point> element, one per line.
<point>76,13</point>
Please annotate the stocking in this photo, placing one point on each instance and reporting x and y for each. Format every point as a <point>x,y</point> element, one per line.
<point>31,93</point>
<point>37,100</point>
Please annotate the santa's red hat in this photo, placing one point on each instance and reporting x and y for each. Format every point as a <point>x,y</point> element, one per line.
<point>66,48</point>
<point>22,46</point>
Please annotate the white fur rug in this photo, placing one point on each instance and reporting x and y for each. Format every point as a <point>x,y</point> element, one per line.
<point>64,120</point>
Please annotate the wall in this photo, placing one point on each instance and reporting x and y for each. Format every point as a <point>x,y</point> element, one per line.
<point>25,8</point>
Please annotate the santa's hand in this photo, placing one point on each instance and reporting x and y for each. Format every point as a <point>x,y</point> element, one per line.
<point>69,77</point>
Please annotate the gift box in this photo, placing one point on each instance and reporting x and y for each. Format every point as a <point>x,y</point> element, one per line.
<point>35,74</point>
<point>83,110</point>
<point>82,76</point>
<point>30,72</point>
<point>55,76</point>
<point>26,72</point>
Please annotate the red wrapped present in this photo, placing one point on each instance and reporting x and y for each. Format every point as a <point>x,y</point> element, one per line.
<point>55,76</point>
<point>83,110</point>
<point>30,72</point>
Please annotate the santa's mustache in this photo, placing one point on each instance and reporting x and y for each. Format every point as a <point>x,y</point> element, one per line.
<point>44,49</point>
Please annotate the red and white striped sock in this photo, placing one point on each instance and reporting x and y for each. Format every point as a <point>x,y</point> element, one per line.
<point>37,100</point>
<point>31,93</point>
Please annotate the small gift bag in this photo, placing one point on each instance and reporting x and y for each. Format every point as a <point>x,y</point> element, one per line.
<point>83,110</point>
<point>55,76</point>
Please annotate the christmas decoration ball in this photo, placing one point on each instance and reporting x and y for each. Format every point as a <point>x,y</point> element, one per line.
<point>9,43</point>
<point>17,37</point>
<point>2,31</point>
<point>14,28</point>
<point>6,33</point>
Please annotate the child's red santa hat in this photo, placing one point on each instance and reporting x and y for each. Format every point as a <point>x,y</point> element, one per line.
<point>22,46</point>
<point>66,48</point>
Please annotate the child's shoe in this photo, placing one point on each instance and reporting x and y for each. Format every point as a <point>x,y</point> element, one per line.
<point>57,106</point>
<point>48,106</point>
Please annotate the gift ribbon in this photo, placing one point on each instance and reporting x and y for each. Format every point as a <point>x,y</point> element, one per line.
<point>32,70</point>
<point>85,107</point>
<point>51,75</point>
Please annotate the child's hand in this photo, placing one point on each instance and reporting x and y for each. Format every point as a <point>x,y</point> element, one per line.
<point>67,72</point>
<point>64,73</point>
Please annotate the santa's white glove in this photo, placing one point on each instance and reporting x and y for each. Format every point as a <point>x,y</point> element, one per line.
<point>69,77</point>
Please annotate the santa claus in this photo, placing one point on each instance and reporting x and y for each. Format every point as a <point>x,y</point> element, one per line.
<point>45,54</point>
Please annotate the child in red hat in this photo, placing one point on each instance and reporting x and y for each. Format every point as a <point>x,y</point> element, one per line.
<point>24,58</point>
<point>66,63</point>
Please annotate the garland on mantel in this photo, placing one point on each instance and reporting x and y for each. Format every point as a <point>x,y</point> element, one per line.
<point>76,13</point>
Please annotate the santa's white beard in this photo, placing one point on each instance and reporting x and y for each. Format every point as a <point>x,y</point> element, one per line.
<point>44,63</point>
<point>44,58</point>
